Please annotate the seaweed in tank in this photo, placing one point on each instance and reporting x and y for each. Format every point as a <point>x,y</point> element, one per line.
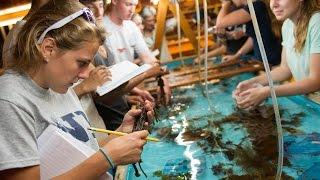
<point>258,161</point>
<point>183,176</point>
<point>179,104</point>
<point>221,170</point>
<point>290,125</point>
<point>166,133</point>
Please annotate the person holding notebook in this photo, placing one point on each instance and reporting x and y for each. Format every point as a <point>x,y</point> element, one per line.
<point>125,38</point>
<point>53,51</point>
<point>113,105</point>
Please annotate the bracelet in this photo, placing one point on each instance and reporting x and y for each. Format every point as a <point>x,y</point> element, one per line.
<point>103,151</point>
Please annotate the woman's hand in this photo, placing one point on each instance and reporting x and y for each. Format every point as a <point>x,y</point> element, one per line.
<point>134,100</point>
<point>198,60</point>
<point>97,77</point>
<point>236,34</point>
<point>219,31</point>
<point>126,149</point>
<point>243,86</point>
<point>145,95</point>
<point>253,97</point>
<point>129,118</point>
<point>230,58</point>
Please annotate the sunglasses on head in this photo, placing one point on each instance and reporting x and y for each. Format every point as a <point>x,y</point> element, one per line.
<point>86,13</point>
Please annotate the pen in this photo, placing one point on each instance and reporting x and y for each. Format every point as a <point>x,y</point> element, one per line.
<point>118,133</point>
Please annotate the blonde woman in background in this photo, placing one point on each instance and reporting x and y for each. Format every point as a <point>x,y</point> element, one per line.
<point>300,57</point>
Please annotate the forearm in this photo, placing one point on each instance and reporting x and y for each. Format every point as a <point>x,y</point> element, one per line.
<point>246,48</point>
<point>216,52</point>
<point>278,74</point>
<point>222,13</point>
<point>92,168</point>
<point>80,90</point>
<point>148,58</point>
<point>305,86</point>
<point>104,141</point>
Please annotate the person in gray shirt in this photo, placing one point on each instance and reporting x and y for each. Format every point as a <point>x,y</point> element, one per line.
<point>54,49</point>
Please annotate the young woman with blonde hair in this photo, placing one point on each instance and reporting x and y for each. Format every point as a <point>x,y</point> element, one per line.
<point>300,57</point>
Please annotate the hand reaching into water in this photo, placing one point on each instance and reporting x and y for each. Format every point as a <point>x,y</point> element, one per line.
<point>243,86</point>
<point>249,93</point>
<point>227,58</point>
<point>253,97</point>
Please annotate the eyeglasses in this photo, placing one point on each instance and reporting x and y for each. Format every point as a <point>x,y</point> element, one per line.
<point>85,12</point>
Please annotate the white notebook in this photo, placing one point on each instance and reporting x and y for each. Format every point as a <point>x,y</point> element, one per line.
<point>121,73</point>
<point>59,152</point>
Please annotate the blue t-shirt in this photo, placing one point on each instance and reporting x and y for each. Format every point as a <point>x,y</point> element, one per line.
<point>299,63</point>
<point>272,45</point>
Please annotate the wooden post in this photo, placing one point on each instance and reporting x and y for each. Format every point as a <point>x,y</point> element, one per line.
<point>161,21</point>
<point>185,27</point>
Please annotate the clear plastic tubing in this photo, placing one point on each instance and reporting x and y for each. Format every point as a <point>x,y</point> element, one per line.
<point>273,94</point>
<point>206,44</point>
<point>198,34</point>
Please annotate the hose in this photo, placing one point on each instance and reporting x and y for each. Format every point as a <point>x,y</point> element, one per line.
<point>198,33</point>
<point>206,44</point>
<point>271,85</point>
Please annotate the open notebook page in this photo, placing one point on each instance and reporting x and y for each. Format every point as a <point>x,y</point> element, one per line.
<point>121,73</point>
<point>59,152</point>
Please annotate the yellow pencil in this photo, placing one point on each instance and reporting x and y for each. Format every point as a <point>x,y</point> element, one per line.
<point>118,133</point>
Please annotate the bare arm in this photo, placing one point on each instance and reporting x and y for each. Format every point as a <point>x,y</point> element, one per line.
<point>278,74</point>
<point>97,77</point>
<point>215,52</point>
<point>307,85</point>
<point>96,163</point>
<point>255,96</point>
<point>122,150</point>
<point>246,48</point>
<point>226,18</point>
<point>148,58</point>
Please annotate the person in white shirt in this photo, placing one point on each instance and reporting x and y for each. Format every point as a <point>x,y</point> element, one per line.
<point>125,38</point>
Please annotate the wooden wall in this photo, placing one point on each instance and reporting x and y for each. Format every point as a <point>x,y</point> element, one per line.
<point>11,3</point>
